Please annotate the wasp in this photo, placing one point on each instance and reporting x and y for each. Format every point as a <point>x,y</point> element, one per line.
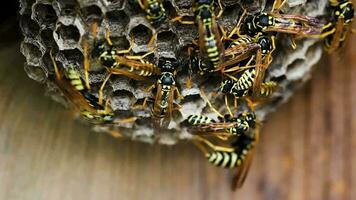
<point>242,87</point>
<point>154,9</point>
<point>166,89</point>
<point>238,155</point>
<point>258,49</point>
<point>74,90</point>
<point>211,49</point>
<point>302,26</point>
<point>336,31</point>
<point>118,62</point>
<point>227,125</point>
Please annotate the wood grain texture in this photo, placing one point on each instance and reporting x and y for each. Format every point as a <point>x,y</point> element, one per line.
<point>306,151</point>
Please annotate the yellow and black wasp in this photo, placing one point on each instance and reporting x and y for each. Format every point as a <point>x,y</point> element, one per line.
<point>238,155</point>
<point>211,49</point>
<point>227,125</point>
<point>154,9</point>
<point>243,86</point>
<point>256,51</point>
<point>120,62</point>
<point>339,27</point>
<point>74,90</point>
<point>166,90</point>
<point>274,21</point>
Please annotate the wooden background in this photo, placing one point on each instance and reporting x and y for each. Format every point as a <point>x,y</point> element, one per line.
<point>307,150</point>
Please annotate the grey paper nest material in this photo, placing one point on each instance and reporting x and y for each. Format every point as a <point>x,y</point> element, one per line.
<point>61,25</point>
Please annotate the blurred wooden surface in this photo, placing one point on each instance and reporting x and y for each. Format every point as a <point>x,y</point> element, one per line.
<point>307,149</point>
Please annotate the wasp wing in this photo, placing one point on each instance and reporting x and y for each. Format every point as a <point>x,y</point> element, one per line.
<point>138,65</point>
<point>212,129</point>
<point>74,96</point>
<point>242,171</point>
<point>260,73</point>
<point>239,54</point>
<point>127,73</point>
<point>339,30</point>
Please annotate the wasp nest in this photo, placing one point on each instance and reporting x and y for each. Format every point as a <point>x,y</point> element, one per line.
<point>60,26</point>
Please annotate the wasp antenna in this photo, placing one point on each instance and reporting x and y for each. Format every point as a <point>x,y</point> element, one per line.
<point>102,87</point>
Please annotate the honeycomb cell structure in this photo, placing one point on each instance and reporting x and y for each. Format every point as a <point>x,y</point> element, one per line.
<point>63,28</point>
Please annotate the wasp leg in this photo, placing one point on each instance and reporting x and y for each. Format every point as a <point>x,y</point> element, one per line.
<point>221,9</point>
<point>231,77</point>
<point>179,19</point>
<point>86,63</point>
<point>55,66</point>
<point>141,4</point>
<point>201,147</point>
<point>152,39</point>
<point>209,103</point>
<point>189,83</point>
<point>235,105</point>
<point>108,108</point>
<point>126,121</point>
<point>142,106</point>
<point>223,32</point>
<point>140,58</point>
<point>101,90</point>
<point>251,104</point>
<point>277,5</point>
<point>214,147</point>
<point>236,69</point>
<point>149,89</point>
<point>178,94</point>
<point>228,106</point>
<point>236,29</point>
<point>94,30</point>
<point>107,36</point>
<point>293,43</point>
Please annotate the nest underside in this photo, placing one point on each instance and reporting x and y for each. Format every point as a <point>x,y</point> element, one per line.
<point>62,26</point>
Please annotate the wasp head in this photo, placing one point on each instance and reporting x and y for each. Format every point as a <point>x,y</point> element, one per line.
<point>346,11</point>
<point>265,44</point>
<point>167,65</point>
<point>226,86</point>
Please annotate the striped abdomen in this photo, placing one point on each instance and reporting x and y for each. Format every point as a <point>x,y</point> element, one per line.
<point>199,119</point>
<point>75,79</point>
<point>210,43</point>
<point>225,159</point>
<point>267,88</point>
<point>241,127</point>
<point>246,80</point>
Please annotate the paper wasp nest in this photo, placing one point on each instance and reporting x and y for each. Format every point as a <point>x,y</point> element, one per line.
<point>61,25</point>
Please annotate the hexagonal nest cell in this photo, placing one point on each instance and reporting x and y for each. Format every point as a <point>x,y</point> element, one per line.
<point>61,27</point>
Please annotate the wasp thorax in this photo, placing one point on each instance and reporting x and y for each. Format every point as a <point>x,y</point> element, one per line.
<point>167,79</point>
<point>346,11</point>
<point>263,20</point>
<point>266,44</point>
<point>155,9</point>
<point>226,86</point>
